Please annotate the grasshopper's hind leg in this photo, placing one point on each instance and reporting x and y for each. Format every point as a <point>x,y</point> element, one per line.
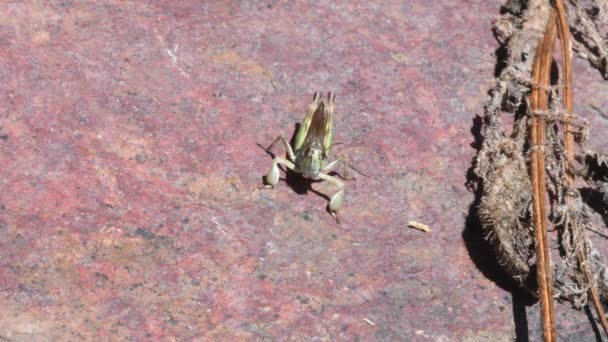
<point>272,178</point>
<point>335,203</point>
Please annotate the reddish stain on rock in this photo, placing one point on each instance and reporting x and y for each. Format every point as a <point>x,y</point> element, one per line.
<point>129,200</point>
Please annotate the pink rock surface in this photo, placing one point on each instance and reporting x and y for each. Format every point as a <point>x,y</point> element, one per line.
<point>130,207</point>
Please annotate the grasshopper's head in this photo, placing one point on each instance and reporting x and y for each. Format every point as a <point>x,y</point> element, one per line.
<point>309,160</point>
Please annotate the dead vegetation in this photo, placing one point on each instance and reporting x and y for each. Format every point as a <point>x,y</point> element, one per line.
<point>529,175</point>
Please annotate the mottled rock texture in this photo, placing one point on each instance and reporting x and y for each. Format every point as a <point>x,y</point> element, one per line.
<point>130,207</point>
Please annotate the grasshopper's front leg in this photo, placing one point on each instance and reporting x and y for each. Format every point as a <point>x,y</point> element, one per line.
<point>281,138</point>
<point>335,203</point>
<point>272,178</point>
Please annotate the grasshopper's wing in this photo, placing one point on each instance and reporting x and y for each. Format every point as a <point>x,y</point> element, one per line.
<point>320,132</point>
<point>329,128</point>
<point>305,126</point>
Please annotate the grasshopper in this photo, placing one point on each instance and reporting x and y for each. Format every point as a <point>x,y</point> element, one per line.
<point>311,149</point>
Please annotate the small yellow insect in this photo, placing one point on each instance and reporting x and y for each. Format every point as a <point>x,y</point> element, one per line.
<point>419,226</point>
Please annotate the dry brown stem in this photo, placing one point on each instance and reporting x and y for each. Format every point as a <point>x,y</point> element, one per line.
<point>539,102</point>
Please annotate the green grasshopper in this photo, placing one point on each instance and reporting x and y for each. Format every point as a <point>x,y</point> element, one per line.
<point>312,147</point>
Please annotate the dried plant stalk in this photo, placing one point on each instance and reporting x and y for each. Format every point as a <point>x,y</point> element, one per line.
<point>539,102</point>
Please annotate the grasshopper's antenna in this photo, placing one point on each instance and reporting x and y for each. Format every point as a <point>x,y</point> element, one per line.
<point>360,172</point>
